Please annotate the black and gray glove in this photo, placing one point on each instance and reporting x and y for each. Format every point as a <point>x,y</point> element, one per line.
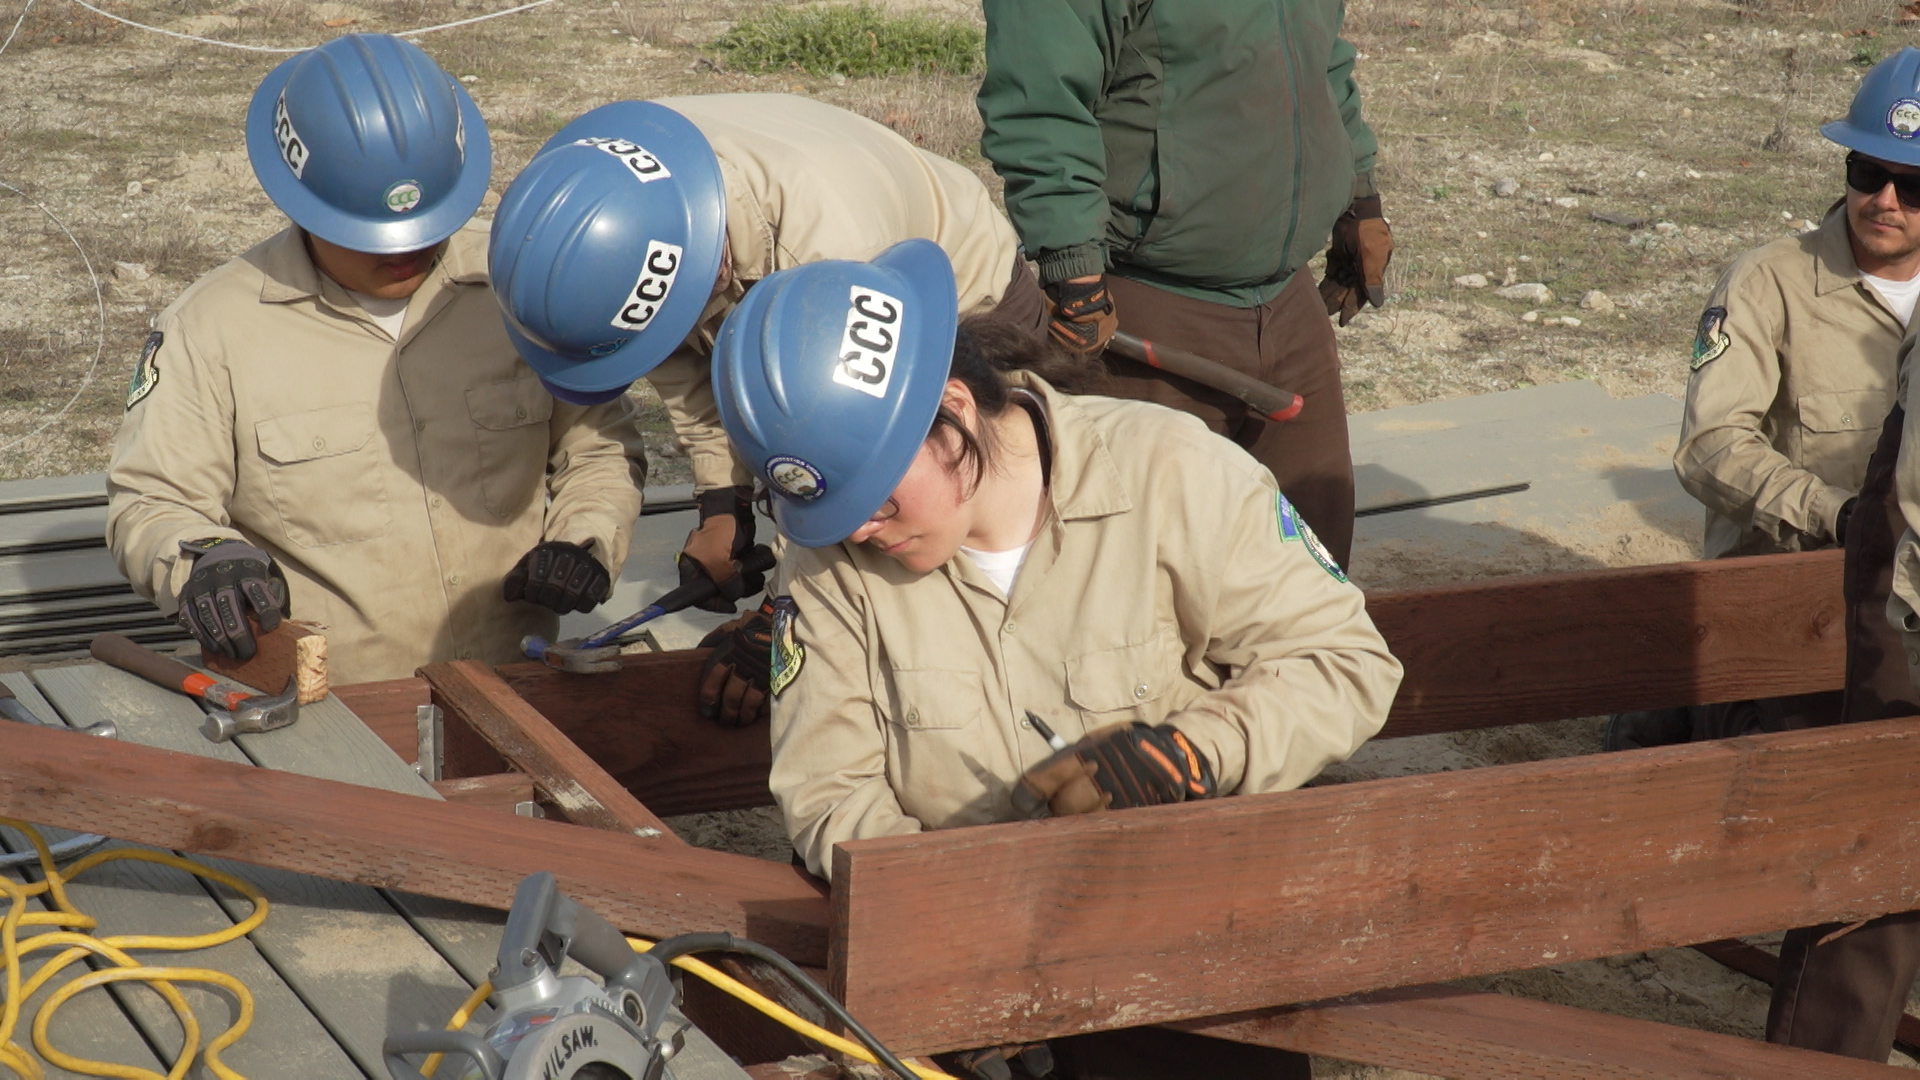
<point>734,684</point>
<point>721,539</point>
<point>559,575</point>
<point>230,580</point>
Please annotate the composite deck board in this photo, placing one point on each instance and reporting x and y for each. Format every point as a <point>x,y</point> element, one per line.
<point>93,1024</point>
<point>330,742</point>
<point>359,965</point>
<point>133,897</point>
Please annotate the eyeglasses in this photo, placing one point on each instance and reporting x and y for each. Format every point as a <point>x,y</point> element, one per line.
<point>886,512</point>
<point>1869,177</point>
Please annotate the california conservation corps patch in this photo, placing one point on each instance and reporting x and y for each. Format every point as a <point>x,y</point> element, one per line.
<point>1711,339</point>
<point>796,478</point>
<point>1903,118</point>
<point>788,654</point>
<point>146,373</point>
<point>1294,529</point>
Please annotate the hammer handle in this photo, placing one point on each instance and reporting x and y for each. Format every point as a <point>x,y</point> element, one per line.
<point>1266,400</point>
<point>130,656</point>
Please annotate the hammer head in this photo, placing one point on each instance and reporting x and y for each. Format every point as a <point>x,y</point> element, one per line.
<point>572,655</point>
<point>253,715</point>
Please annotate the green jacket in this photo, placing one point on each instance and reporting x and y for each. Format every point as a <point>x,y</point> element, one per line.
<point>1204,146</point>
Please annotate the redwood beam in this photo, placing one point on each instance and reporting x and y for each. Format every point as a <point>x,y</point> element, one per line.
<point>1261,900</point>
<point>1470,1036</point>
<point>474,693</point>
<point>384,839</point>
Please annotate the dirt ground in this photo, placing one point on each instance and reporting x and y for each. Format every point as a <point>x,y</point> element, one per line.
<point>1505,127</point>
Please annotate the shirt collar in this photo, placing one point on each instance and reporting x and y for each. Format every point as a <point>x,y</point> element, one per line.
<point>1085,481</point>
<point>1833,265</point>
<point>290,274</point>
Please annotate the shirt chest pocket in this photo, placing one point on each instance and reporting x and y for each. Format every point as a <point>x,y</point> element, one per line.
<point>1107,684</point>
<point>1838,429</point>
<point>934,699</point>
<point>510,428</point>
<point>327,479</point>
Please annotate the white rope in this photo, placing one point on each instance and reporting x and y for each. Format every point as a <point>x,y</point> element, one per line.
<point>16,26</point>
<point>302,48</point>
<point>100,301</point>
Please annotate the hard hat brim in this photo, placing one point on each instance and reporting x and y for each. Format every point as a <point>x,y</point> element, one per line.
<point>706,219</point>
<point>1885,147</point>
<point>375,236</point>
<point>924,267</point>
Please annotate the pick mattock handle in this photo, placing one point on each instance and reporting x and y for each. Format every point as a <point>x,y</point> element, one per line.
<point>1268,401</point>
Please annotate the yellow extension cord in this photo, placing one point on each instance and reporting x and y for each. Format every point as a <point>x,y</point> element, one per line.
<point>15,1059</point>
<point>731,986</point>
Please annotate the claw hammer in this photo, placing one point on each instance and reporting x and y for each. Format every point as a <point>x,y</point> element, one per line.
<point>229,712</point>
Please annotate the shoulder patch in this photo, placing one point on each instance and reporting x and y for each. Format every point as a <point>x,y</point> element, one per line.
<point>1711,339</point>
<point>146,373</point>
<point>1295,530</point>
<point>788,654</point>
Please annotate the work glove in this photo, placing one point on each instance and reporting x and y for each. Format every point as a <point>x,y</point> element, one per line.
<point>1116,768</point>
<point>559,575</point>
<point>734,682</point>
<point>229,579</point>
<point>1080,315</point>
<point>722,537</point>
<point>1357,258</point>
<point>993,1063</point>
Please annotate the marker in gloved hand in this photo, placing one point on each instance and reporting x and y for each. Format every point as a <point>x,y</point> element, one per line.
<point>1046,732</point>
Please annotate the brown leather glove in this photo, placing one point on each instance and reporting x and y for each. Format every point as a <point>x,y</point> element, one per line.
<point>1357,258</point>
<point>734,683</point>
<point>724,533</point>
<point>1115,768</point>
<point>1080,315</point>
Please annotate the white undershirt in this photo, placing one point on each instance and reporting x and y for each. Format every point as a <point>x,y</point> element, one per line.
<point>1899,295</point>
<point>1001,567</point>
<point>392,314</point>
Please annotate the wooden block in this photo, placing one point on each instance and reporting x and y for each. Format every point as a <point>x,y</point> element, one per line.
<point>396,841</point>
<point>581,789</point>
<point>1464,1034</point>
<point>502,791</point>
<point>292,651</point>
<point>1038,929</point>
<point>1547,647</point>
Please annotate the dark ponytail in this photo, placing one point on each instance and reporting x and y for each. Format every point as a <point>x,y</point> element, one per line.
<point>984,351</point>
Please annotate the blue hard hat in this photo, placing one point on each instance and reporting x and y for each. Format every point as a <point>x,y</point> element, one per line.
<point>828,377</point>
<point>365,142</point>
<point>1884,120</point>
<point>606,247</point>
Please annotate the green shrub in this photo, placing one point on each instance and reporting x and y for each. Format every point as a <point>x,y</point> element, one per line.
<point>851,39</point>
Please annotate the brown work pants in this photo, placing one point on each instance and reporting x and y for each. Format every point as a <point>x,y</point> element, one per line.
<point>1846,996</point>
<point>1287,342</point>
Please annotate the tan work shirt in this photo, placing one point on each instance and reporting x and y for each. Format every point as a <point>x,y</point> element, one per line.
<point>1162,588</point>
<point>808,181</point>
<point>1794,372</point>
<point>395,483</point>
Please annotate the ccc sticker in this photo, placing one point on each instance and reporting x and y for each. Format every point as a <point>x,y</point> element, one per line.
<point>292,150</point>
<point>643,165</point>
<point>871,342</point>
<point>656,281</point>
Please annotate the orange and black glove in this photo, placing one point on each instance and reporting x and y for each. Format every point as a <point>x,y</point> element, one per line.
<point>1116,768</point>
<point>1357,258</point>
<point>1080,315</point>
<point>734,683</point>
<point>722,537</point>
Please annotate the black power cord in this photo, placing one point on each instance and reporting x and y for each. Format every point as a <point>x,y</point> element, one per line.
<point>686,944</point>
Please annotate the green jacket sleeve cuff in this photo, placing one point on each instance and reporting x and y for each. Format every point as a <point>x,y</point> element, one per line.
<point>1080,260</point>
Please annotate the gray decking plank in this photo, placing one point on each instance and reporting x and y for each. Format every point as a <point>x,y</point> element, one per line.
<point>133,897</point>
<point>359,966</point>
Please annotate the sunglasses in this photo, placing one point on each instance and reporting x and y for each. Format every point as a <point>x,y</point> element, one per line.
<point>1869,177</point>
